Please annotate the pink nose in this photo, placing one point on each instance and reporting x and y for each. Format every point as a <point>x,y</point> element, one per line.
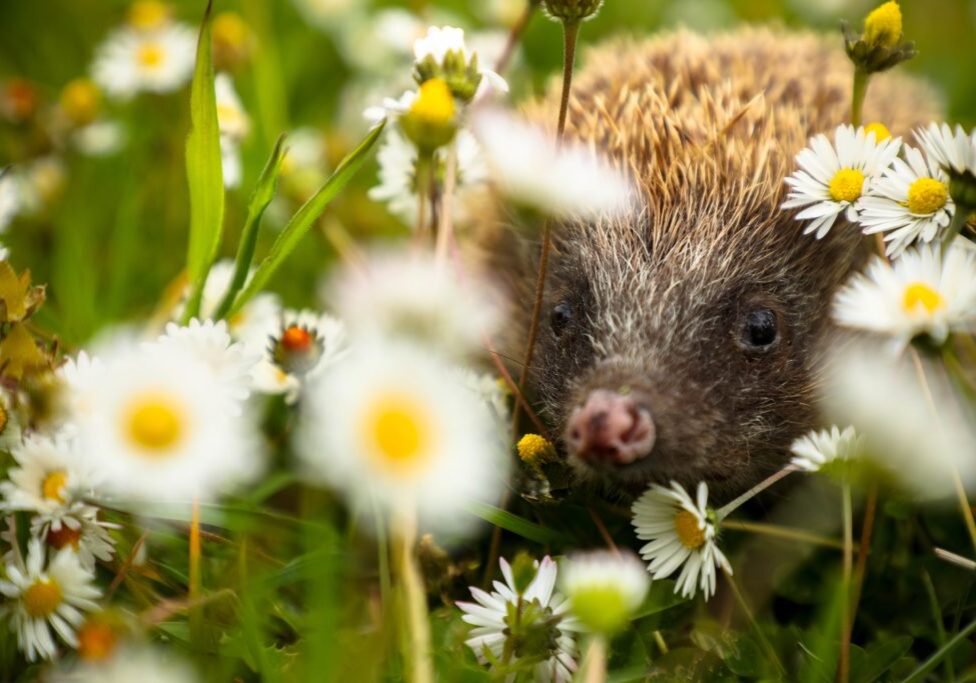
<point>610,429</point>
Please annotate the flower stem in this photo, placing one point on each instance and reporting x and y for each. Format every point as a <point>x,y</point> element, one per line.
<point>729,508</point>
<point>744,606</point>
<point>776,531</point>
<point>595,661</point>
<point>847,618</point>
<point>859,91</point>
<point>194,587</point>
<point>445,227</point>
<point>959,219</point>
<point>424,163</point>
<point>515,36</point>
<point>415,623</point>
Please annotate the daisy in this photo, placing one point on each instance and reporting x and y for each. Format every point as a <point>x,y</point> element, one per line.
<point>833,177</point>
<point>297,348</point>
<point>605,589</point>
<point>163,424</point>
<point>410,297</point>
<point>443,52</point>
<point>47,597</point>
<point>681,531</point>
<point>79,530</point>
<point>818,449</point>
<point>922,292</point>
<point>575,184</point>
<point>234,126</point>
<point>391,424</point>
<point>128,664</point>
<point>398,174</point>
<point>133,60</point>
<point>48,476</point>
<point>952,149</point>
<point>489,614</point>
<point>9,198</point>
<point>100,138</point>
<point>909,203</point>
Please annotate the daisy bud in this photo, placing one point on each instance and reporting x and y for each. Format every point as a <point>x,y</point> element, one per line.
<point>572,11</point>
<point>443,53</point>
<point>883,26</point>
<point>881,132</point>
<point>535,450</point>
<point>80,101</point>
<point>604,590</point>
<point>431,121</point>
<point>148,15</point>
<point>880,46</point>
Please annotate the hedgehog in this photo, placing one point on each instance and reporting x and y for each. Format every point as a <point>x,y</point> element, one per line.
<point>683,341</point>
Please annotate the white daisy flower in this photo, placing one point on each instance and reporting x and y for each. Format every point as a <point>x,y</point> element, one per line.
<point>575,184</point>
<point>78,529</point>
<point>234,126</point>
<point>297,348</point>
<point>909,203</point>
<point>489,615</point>
<point>132,60</point>
<point>128,664</point>
<point>397,186</point>
<point>818,449</point>
<point>604,589</point>
<point>682,533</point>
<point>48,477</point>
<point>411,297</point>
<point>833,177</point>
<point>44,598</point>
<point>9,198</point>
<point>100,138</point>
<point>391,424</point>
<point>953,149</point>
<point>922,292</point>
<point>442,43</point>
<point>163,425</point>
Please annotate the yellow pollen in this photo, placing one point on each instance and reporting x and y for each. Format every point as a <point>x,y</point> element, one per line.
<point>41,598</point>
<point>52,488</point>
<point>150,55</point>
<point>148,14</point>
<point>920,295</point>
<point>686,526</point>
<point>883,26</point>
<point>927,195</point>
<point>880,131</point>
<point>846,185</point>
<point>399,430</point>
<point>434,104</point>
<point>154,423</point>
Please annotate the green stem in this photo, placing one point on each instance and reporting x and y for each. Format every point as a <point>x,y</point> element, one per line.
<point>847,619</point>
<point>729,508</point>
<point>959,219</point>
<point>860,90</point>
<point>939,626</point>
<point>763,640</point>
<point>515,36</point>
<point>787,533</point>
<point>416,625</point>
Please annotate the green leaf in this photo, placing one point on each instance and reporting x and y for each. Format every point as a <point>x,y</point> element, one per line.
<point>262,196</point>
<point>929,664</point>
<point>514,523</point>
<point>868,666</point>
<point>306,216</point>
<point>822,648</point>
<point>204,172</point>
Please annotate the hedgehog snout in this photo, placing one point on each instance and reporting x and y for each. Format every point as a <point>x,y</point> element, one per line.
<point>610,429</point>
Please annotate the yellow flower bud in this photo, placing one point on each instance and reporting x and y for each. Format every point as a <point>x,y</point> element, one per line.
<point>80,101</point>
<point>430,123</point>
<point>231,40</point>
<point>880,131</point>
<point>534,449</point>
<point>883,27</point>
<point>148,14</point>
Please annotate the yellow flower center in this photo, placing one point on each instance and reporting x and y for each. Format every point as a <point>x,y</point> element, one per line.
<point>434,104</point>
<point>883,26</point>
<point>927,195</point>
<point>148,14</point>
<point>686,526</point>
<point>80,101</point>
<point>920,295</point>
<point>41,598</point>
<point>150,55</point>
<point>155,423</point>
<point>399,430</point>
<point>846,185</point>
<point>880,131</point>
<point>533,448</point>
<point>52,488</point>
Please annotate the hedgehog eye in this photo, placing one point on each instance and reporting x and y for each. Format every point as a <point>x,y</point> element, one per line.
<point>560,317</point>
<point>760,330</point>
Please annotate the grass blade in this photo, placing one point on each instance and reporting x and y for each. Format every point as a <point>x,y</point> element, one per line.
<point>306,216</point>
<point>203,170</point>
<point>929,664</point>
<point>262,196</point>
<point>513,523</point>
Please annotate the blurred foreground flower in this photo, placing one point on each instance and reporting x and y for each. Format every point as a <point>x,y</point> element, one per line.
<point>682,533</point>
<point>526,618</point>
<point>604,589</point>
<point>130,664</point>
<point>818,450</point>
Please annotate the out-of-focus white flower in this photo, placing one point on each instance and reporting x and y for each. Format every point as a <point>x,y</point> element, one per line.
<point>163,425</point>
<point>327,15</point>
<point>398,174</point>
<point>47,597</point>
<point>131,664</point>
<point>909,203</point>
<point>9,198</point>
<point>682,533</point>
<point>411,297</point>
<point>818,449</point>
<point>952,148</point>
<point>39,182</point>
<point>567,182</point>
<point>922,292</point>
<point>297,349</point>
<point>489,615</point>
<point>100,138</point>
<point>381,41</point>
<point>132,60</point>
<point>49,476</point>
<point>391,426</point>
<point>604,589</point>
<point>79,530</point>
<point>234,126</point>
<point>834,176</point>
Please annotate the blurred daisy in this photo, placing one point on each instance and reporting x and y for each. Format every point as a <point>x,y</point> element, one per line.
<point>77,376</point>
<point>575,184</point>
<point>40,182</point>
<point>128,664</point>
<point>44,598</point>
<point>132,60</point>
<point>443,53</point>
<point>953,149</point>
<point>234,126</point>
<point>100,138</point>
<point>48,476</point>
<point>410,297</point>
<point>164,425</point>
<point>490,614</point>
<point>398,174</point>
<point>80,530</point>
<point>325,14</point>
<point>818,449</point>
<point>391,424</point>
<point>682,533</point>
<point>922,292</point>
<point>299,347</point>
<point>833,177</point>
<point>604,589</point>
<point>9,198</point>
<point>378,42</point>
<point>909,203</point>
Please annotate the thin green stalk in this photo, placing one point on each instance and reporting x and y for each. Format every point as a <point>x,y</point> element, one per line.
<point>939,626</point>
<point>515,36</point>
<point>782,532</point>
<point>859,91</point>
<point>929,664</point>
<point>383,558</point>
<point>959,220</point>
<point>847,618</point>
<point>729,508</point>
<point>415,624</point>
<point>744,606</point>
